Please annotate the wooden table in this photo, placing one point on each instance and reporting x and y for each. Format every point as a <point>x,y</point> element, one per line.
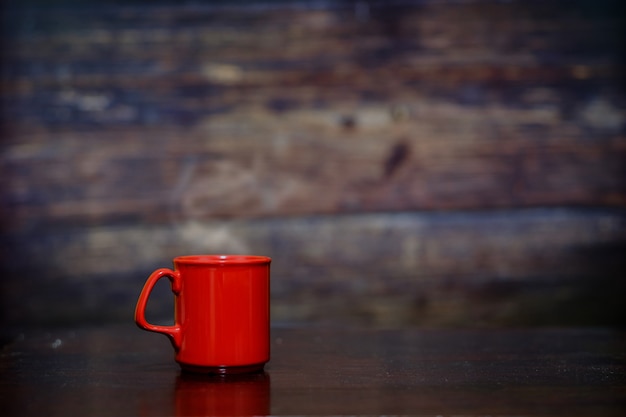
<point>119,370</point>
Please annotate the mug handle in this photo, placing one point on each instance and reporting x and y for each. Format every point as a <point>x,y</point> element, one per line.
<point>172,332</point>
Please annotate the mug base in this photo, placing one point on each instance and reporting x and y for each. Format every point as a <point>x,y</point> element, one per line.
<point>223,370</point>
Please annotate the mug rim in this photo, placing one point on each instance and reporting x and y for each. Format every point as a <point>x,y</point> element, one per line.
<point>221,259</point>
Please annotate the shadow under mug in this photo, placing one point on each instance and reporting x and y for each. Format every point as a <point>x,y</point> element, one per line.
<point>221,312</point>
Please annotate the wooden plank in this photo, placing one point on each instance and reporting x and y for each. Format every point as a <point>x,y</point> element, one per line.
<point>256,166</point>
<point>509,267</point>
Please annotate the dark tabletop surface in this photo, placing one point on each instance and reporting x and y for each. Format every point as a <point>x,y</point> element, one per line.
<point>120,370</point>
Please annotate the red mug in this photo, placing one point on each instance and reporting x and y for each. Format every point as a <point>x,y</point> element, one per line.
<point>221,312</point>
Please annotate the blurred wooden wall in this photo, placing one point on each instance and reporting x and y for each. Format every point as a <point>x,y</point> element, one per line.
<point>422,163</point>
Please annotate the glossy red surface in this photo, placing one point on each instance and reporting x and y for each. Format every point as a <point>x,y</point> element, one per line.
<point>221,312</point>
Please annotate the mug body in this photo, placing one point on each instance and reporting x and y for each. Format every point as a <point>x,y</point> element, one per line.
<point>222,309</point>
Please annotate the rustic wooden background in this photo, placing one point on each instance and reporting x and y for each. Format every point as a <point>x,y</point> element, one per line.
<point>435,163</point>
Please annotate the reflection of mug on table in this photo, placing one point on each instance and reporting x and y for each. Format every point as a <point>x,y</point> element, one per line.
<point>228,395</point>
<point>221,312</point>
